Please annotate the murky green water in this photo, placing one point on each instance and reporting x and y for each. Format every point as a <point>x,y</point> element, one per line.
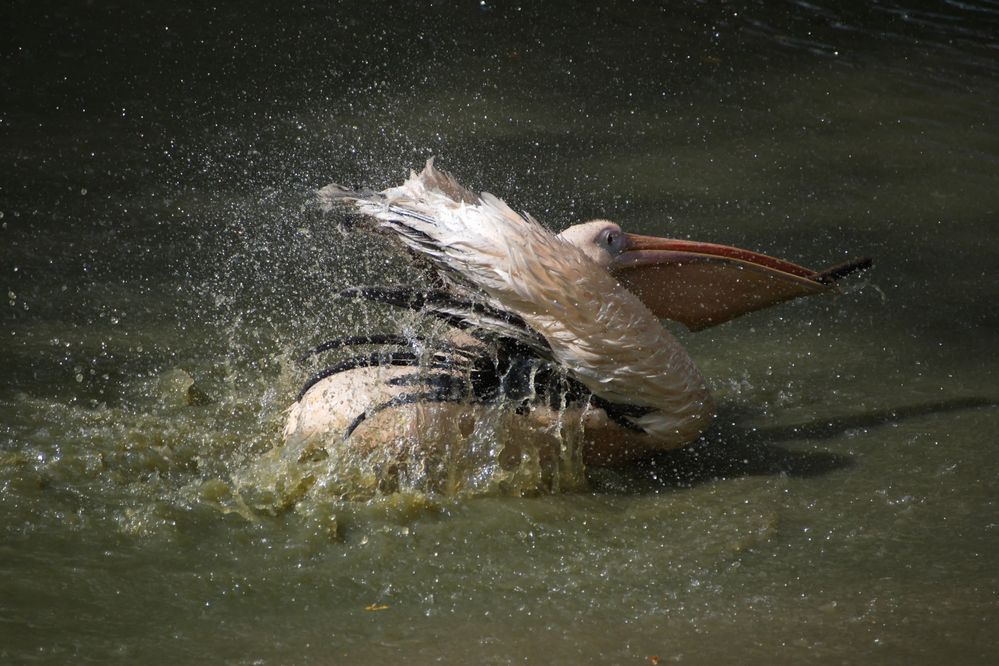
<point>156,166</point>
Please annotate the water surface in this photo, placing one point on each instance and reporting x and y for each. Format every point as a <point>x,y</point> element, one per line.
<point>157,169</point>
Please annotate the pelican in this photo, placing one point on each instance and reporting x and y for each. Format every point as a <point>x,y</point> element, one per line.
<point>553,339</point>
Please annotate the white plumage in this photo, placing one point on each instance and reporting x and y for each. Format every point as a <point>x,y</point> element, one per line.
<point>598,330</point>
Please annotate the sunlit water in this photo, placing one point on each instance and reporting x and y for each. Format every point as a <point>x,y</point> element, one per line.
<point>154,188</point>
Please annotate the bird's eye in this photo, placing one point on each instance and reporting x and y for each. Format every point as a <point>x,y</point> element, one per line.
<point>611,238</point>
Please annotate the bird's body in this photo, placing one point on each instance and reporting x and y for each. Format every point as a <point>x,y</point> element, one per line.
<point>555,347</point>
<point>597,330</point>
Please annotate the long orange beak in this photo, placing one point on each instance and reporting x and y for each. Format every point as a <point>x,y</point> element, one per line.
<point>704,284</point>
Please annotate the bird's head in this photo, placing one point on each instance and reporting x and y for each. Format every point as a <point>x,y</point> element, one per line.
<point>698,284</point>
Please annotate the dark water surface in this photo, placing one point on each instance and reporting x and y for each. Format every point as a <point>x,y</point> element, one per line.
<point>157,165</point>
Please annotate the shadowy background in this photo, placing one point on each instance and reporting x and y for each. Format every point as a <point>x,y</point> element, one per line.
<point>156,173</point>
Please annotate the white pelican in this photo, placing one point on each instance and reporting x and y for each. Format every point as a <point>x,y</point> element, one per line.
<point>560,339</point>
